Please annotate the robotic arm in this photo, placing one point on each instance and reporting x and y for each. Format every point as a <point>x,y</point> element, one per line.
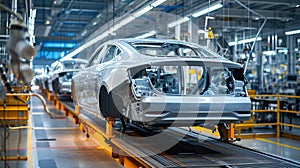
<point>21,52</point>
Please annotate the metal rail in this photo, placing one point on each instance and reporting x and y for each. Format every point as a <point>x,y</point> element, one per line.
<point>126,148</point>
<point>43,101</point>
<point>196,134</point>
<point>275,98</point>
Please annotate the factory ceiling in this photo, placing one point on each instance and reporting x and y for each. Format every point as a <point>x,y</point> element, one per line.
<point>75,20</point>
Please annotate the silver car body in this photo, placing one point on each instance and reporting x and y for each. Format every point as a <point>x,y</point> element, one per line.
<point>126,77</point>
<point>59,80</point>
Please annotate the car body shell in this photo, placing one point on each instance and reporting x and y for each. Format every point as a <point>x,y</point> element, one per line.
<point>115,79</point>
<point>59,79</point>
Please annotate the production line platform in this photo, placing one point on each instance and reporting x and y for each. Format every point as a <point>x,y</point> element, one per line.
<point>71,140</point>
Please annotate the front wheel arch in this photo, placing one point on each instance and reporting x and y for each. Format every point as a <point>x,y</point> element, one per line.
<point>73,93</point>
<point>55,86</point>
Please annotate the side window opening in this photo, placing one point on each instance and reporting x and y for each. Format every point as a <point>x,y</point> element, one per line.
<point>95,57</point>
<point>111,52</point>
<point>118,51</point>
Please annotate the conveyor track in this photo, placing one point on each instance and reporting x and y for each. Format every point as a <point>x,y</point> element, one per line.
<point>146,157</point>
<point>221,154</point>
<point>192,149</point>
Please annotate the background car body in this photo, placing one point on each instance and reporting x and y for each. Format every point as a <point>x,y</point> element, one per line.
<point>147,81</point>
<point>40,77</point>
<point>59,79</point>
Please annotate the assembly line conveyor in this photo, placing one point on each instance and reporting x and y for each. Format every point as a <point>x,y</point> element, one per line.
<point>131,148</point>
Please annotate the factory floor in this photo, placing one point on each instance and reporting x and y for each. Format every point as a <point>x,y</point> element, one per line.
<point>285,147</point>
<point>288,148</point>
<point>50,143</point>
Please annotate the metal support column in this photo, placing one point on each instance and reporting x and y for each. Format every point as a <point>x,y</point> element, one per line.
<point>259,66</point>
<point>278,117</point>
<point>77,109</point>
<point>193,31</point>
<point>235,56</point>
<point>109,127</point>
<point>14,7</point>
<point>291,54</point>
<point>226,132</point>
<point>177,32</point>
<point>230,132</point>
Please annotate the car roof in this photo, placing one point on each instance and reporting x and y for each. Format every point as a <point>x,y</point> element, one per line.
<point>155,40</point>
<point>75,60</point>
<point>158,40</point>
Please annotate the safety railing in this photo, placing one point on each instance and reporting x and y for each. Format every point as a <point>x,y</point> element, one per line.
<point>269,110</point>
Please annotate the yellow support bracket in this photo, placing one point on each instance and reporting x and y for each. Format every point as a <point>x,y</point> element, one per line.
<point>210,34</point>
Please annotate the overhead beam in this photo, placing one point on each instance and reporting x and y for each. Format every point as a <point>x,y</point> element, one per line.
<point>85,10</point>
<point>72,10</point>
<point>243,25</point>
<point>269,14</point>
<point>75,22</point>
<point>42,7</point>
<point>54,49</point>
<point>68,30</point>
<point>80,18</point>
<point>88,5</point>
<point>291,3</point>
<point>54,38</point>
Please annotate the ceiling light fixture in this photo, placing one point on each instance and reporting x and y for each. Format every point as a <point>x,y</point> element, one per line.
<point>149,34</point>
<point>84,32</point>
<point>127,20</point>
<point>244,41</point>
<point>47,22</point>
<point>157,3</point>
<point>47,30</point>
<point>116,27</point>
<point>178,22</point>
<point>292,32</point>
<point>142,11</point>
<point>207,10</point>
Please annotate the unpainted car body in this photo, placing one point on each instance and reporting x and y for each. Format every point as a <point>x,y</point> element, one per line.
<point>59,79</point>
<point>41,77</point>
<point>160,82</point>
